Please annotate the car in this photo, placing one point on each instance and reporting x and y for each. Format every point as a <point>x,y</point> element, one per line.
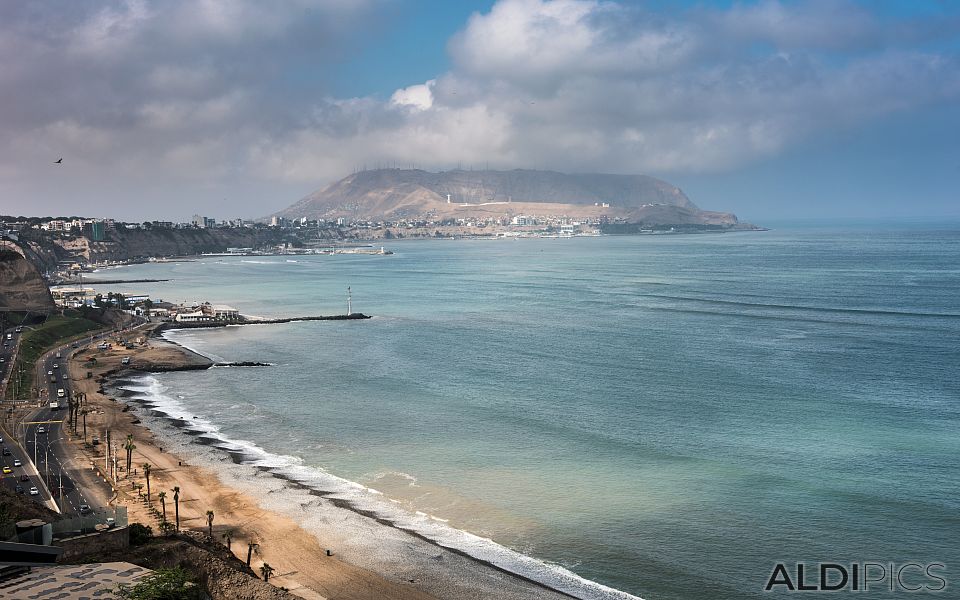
<point>56,366</point>
<point>6,451</point>
<point>1,439</point>
<point>50,373</point>
<point>7,470</point>
<point>85,509</point>
<point>24,477</point>
<point>41,429</point>
<point>17,463</point>
<point>2,360</point>
<point>34,491</point>
<point>19,489</point>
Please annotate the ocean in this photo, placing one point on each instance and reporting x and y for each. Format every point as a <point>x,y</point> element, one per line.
<point>669,416</point>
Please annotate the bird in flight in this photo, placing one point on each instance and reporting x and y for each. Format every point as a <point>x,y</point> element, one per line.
<point>58,161</point>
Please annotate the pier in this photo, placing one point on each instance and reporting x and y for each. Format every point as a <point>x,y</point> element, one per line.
<point>201,324</point>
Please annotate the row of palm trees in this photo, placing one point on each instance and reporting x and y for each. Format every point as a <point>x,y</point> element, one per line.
<point>265,569</point>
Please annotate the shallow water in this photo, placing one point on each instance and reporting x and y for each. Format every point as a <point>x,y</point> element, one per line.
<point>665,415</point>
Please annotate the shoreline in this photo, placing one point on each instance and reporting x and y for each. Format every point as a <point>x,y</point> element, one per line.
<point>419,565</point>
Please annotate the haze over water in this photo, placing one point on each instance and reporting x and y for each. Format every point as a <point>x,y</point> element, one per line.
<point>666,415</point>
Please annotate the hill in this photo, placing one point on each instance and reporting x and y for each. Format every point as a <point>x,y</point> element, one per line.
<point>391,194</point>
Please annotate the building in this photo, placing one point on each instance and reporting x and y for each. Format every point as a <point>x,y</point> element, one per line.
<point>222,312</point>
<point>207,312</point>
<point>95,230</point>
<point>203,222</point>
<point>57,225</point>
<point>192,317</point>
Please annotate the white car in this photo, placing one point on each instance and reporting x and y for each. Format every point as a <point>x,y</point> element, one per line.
<point>50,373</point>
<point>41,429</point>
<point>17,463</point>
<point>56,366</point>
<point>34,491</point>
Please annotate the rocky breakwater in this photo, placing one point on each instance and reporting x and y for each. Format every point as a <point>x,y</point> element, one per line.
<point>208,324</point>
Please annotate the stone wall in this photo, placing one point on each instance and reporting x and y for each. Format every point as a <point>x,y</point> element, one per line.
<point>91,544</point>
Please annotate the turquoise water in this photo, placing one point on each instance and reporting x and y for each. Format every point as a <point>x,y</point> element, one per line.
<point>666,415</point>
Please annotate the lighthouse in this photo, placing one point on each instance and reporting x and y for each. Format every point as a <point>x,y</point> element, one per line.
<point>349,302</point>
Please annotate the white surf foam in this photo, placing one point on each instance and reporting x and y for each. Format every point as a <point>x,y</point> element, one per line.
<point>363,500</point>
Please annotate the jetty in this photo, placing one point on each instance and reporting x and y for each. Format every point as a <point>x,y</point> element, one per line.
<point>247,321</point>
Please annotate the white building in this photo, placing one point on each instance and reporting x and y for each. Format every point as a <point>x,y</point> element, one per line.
<point>192,317</point>
<point>222,312</point>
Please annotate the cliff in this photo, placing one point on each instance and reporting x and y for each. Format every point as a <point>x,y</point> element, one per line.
<point>127,244</point>
<point>399,193</point>
<point>22,288</point>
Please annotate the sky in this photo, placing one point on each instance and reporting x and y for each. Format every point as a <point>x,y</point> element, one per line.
<point>769,109</point>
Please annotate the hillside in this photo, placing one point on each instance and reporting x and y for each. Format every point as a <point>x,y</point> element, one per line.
<point>22,288</point>
<point>130,244</point>
<point>397,193</point>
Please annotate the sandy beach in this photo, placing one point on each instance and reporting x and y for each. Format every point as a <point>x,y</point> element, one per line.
<point>295,547</point>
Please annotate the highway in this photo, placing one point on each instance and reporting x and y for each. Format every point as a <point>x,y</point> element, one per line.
<point>42,433</point>
<point>45,437</point>
<point>22,476</point>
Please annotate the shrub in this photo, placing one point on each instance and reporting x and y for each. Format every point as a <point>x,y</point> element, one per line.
<point>163,584</point>
<point>140,534</point>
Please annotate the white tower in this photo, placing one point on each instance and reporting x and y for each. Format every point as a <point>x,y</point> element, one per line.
<point>349,302</point>
<point>448,198</point>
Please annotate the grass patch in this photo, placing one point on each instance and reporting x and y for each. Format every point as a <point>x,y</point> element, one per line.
<point>35,341</point>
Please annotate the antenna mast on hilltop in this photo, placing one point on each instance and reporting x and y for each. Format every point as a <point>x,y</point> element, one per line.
<point>349,302</point>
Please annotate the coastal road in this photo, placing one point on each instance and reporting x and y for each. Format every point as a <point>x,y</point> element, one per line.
<point>71,481</point>
<point>45,438</point>
<point>42,459</point>
<point>22,476</point>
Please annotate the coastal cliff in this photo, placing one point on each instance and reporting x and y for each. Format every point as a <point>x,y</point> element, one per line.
<point>22,288</point>
<point>132,244</point>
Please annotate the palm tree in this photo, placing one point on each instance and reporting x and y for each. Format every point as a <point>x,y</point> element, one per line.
<point>228,536</point>
<point>250,547</point>
<point>84,412</point>
<point>129,445</point>
<point>266,570</point>
<point>176,504</point>
<point>210,523</point>
<point>163,504</point>
<point>146,473</point>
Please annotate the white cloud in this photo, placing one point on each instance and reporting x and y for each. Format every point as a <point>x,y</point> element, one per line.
<point>419,97</point>
<point>182,92</point>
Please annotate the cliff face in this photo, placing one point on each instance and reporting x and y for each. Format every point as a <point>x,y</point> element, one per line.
<point>398,193</point>
<point>21,285</point>
<point>124,244</point>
